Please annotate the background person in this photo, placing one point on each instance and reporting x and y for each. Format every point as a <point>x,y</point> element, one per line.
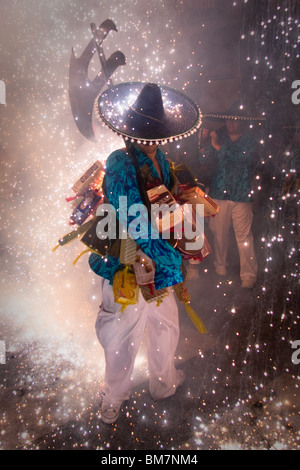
<point>232,157</point>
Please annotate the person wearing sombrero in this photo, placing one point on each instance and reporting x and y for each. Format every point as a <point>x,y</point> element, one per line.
<point>233,154</point>
<point>145,115</point>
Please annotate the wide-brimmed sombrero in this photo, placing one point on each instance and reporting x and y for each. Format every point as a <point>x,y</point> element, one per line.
<point>148,113</point>
<point>236,112</point>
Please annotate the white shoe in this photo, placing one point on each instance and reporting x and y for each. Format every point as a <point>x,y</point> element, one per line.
<point>248,284</point>
<point>110,410</point>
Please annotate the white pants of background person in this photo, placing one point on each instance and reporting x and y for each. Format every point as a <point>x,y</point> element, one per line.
<point>120,334</point>
<point>240,215</point>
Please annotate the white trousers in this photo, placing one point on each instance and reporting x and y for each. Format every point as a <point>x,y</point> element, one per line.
<point>120,334</point>
<point>240,215</point>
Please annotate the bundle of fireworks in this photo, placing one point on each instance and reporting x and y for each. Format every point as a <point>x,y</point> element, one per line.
<point>151,294</point>
<point>89,194</point>
<point>100,243</point>
<point>90,179</point>
<point>181,292</point>
<point>125,288</point>
<point>144,269</point>
<point>128,250</point>
<point>200,197</point>
<point>184,297</point>
<point>186,180</point>
<point>165,217</point>
<point>206,248</point>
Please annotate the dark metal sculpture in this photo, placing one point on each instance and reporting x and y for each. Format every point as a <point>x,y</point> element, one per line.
<point>82,90</point>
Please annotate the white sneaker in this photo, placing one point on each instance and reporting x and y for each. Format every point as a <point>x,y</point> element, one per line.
<point>110,410</point>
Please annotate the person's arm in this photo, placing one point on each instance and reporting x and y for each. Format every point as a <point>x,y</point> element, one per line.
<point>215,141</point>
<point>243,148</point>
<point>207,154</point>
<point>207,162</point>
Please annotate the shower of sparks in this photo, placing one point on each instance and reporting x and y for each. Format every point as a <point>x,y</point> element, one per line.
<point>54,364</point>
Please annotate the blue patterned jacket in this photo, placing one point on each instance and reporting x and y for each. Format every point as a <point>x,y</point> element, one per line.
<point>233,168</point>
<point>121,180</point>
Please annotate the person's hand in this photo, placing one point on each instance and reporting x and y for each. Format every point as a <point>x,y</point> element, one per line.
<point>188,194</point>
<point>215,140</point>
<point>205,133</point>
<point>203,139</point>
